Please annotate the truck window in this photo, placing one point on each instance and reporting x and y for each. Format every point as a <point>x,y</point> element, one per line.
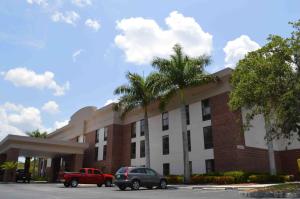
<point>90,171</point>
<point>97,172</point>
<point>82,171</point>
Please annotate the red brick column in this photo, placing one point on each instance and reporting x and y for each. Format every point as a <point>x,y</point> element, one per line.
<point>76,162</point>
<point>12,155</point>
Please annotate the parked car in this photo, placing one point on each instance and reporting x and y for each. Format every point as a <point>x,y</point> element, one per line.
<point>21,175</point>
<point>86,176</point>
<point>136,177</point>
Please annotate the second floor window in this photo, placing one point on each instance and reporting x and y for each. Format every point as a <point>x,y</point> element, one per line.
<point>189,140</point>
<point>97,136</point>
<point>104,152</point>
<point>133,150</point>
<point>142,126</point>
<point>165,144</point>
<point>133,130</point>
<point>187,112</point>
<point>206,115</point>
<point>105,133</point>
<point>210,165</point>
<point>142,149</point>
<point>208,137</point>
<point>165,121</point>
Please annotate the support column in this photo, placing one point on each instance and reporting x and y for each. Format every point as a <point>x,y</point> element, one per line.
<point>76,162</point>
<point>12,155</point>
<point>27,164</point>
<point>2,160</point>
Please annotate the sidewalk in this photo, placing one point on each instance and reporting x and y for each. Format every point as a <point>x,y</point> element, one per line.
<point>222,187</point>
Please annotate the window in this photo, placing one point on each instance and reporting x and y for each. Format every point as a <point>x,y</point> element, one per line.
<point>165,121</point>
<point>165,142</point>
<point>97,172</point>
<point>208,137</point>
<point>90,171</point>
<point>210,165</point>
<point>139,170</point>
<point>133,149</point>
<point>189,140</point>
<point>133,130</point>
<point>206,110</point>
<point>187,113</point>
<point>105,133</point>
<point>96,153</point>
<point>142,125</point>
<point>191,167</point>
<point>82,171</point>
<point>142,149</point>
<point>97,136</point>
<point>104,152</point>
<point>166,169</point>
<point>150,172</point>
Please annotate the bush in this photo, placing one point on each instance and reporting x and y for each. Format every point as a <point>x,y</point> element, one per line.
<point>239,176</point>
<point>202,179</point>
<point>223,180</point>
<point>266,178</point>
<point>174,179</point>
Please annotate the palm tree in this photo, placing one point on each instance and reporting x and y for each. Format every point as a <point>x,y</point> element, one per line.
<point>36,134</point>
<point>9,167</point>
<point>138,93</point>
<point>175,75</point>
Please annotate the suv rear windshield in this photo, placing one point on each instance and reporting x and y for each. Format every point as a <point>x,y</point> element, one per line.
<point>122,170</point>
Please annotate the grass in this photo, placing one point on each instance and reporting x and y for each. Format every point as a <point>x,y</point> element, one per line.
<point>286,187</point>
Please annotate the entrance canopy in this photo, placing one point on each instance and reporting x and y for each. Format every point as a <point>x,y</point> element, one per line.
<point>40,147</point>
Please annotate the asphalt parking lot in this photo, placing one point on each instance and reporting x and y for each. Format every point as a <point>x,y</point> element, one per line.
<point>57,191</point>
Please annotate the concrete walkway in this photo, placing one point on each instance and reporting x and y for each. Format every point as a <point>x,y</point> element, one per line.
<point>222,187</point>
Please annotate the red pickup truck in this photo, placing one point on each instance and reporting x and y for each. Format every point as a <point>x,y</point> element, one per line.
<point>86,176</point>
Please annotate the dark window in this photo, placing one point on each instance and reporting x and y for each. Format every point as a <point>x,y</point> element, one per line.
<point>206,110</point>
<point>97,172</point>
<point>96,153</point>
<point>142,148</point>
<point>187,113</point>
<point>165,142</point>
<point>78,138</point>
<point>142,125</point>
<point>189,140</point>
<point>191,167</point>
<point>104,152</point>
<point>139,170</point>
<point>133,130</point>
<point>82,171</point>
<point>105,133</point>
<point>97,136</point>
<point>210,165</point>
<point>165,121</point>
<point>150,172</point>
<point>166,169</point>
<point>90,171</point>
<point>208,137</point>
<point>133,150</point>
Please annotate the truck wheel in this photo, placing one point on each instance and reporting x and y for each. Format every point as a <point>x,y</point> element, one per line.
<point>74,183</point>
<point>108,183</point>
<point>135,185</point>
<point>66,184</point>
<point>99,185</point>
<point>122,187</point>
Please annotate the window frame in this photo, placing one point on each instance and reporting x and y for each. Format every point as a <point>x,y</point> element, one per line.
<point>105,134</point>
<point>165,150</point>
<point>165,119</point>
<point>142,155</point>
<point>133,152</point>
<point>208,139</point>
<point>205,105</point>
<point>189,140</point>
<point>133,129</point>
<point>187,113</point>
<point>212,162</point>
<point>142,127</point>
<point>97,136</point>
<point>166,166</point>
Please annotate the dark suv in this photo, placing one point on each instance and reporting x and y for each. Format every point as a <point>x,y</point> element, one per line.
<point>136,177</point>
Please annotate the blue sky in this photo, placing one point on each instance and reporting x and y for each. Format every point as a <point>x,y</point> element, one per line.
<point>59,56</point>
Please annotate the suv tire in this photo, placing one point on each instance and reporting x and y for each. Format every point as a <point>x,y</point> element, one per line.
<point>135,185</point>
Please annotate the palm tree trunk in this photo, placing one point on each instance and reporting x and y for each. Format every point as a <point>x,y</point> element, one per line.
<point>272,163</point>
<point>186,165</point>
<point>34,165</point>
<point>147,142</point>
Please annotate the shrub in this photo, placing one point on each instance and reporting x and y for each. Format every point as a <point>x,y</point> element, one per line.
<point>239,176</point>
<point>174,179</point>
<point>202,179</point>
<point>266,178</point>
<point>223,180</point>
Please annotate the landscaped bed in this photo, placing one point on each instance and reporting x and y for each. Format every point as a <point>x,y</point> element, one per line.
<point>286,190</point>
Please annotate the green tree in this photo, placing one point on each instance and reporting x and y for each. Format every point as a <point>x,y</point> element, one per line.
<point>36,134</point>
<point>264,83</point>
<point>10,167</point>
<point>138,93</point>
<point>175,75</point>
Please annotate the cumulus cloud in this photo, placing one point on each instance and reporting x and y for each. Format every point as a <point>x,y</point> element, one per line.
<point>23,77</point>
<point>94,24</point>
<point>76,54</point>
<point>237,49</point>
<point>69,17</point>
<point>51,107</point>
<point>58,124</point>
<point>109,101</point>
<point>142,39</point>
<point>43,3</point>
<point>17,119</point>
<point>82,3</point>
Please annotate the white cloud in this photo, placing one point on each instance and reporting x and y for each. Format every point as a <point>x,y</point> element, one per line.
<point>17,119</point>
<point>109,101</point>
<point>237,49</point>
<point>94,24</point>
<point>58,124</point>
<point>82,3</point>
<point>69,17</point>
<point>23,77</point>
<point>43,3</point>
<point>142,39</point>
<point>51,107</point>
<point>76,54</point>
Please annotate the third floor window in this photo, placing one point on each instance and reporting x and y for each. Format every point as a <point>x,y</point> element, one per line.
<point>133,130</point>
<point>165,121</point>
<point>206,113</point>
<point>142,127</point>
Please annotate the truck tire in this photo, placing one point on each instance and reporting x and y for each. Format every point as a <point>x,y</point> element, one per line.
<point>99,185</point>
<point>108,183</point>
<point>66,184</point>
<point>74,183</point>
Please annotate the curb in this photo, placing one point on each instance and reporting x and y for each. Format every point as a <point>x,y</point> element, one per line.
<point>270,195</point>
